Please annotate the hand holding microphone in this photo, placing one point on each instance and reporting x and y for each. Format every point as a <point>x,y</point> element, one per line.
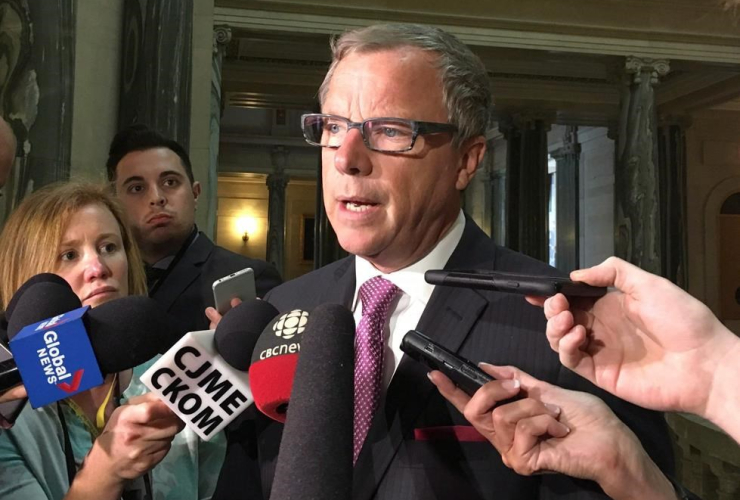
<point>557,430</point>
<point>648,342</point>
<point>136,438</point>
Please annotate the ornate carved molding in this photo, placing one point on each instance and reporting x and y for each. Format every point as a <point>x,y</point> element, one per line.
<point>498,33</point>
<point>221,37</point>
<point>641,67</point>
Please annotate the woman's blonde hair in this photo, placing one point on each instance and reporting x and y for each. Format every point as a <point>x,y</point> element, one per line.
<point>29,243</point>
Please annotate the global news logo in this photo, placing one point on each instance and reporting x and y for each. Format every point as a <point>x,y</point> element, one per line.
<point>291,324</point>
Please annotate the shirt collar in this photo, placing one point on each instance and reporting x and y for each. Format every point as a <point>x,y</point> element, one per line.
<point>411,279</point>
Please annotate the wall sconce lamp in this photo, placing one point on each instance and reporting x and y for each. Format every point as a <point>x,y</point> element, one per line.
<point>245,226</point>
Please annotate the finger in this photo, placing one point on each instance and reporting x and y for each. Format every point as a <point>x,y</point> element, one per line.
<point>449,390</point>
<point>146,411</point>
<point>614,272</point>
<point>528,436</point>
<point>557,327</point>
<point>161,429</point>
<point>555,305</point>
<point>536,300</point>
<point>13,394</point>
<point>506,418</point>
<point>235,301</point>
<point>528,383</point>
<point>213,315</point>
<point>574,353</point>
<point>478,409</point>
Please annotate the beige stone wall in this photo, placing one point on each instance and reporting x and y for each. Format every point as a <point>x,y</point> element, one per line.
<point>238,198</point>
<point>713,173</point>
<point>96,83</point>
<point>300,200</point>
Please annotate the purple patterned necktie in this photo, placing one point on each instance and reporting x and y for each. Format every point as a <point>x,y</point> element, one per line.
<point>376,295</point>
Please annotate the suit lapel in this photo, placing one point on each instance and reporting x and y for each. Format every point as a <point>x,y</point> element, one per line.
<point>448,318</point>
<point>343,290</point>
<point>185,271</point>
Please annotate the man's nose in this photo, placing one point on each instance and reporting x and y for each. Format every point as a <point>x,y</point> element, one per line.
<point>157,197</point>
<point>353,156</point>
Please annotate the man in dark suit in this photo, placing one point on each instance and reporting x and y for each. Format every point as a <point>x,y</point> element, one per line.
<point>404,112</point>
<point>153,179</point>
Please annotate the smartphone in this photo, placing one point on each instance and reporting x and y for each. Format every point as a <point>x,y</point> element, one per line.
<point>545,286</point>
<point>9,377</point>
<point>239,284</point>
<point>465,374</point>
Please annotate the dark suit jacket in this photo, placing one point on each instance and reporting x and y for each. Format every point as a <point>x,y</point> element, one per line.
<point>186,290</point>
<point>479,325</point>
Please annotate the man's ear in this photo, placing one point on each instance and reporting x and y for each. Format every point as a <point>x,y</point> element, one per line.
<point>471,154</point>
<point>196,191</point>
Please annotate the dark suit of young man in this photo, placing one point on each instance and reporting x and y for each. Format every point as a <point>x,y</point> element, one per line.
<point>186,291</point>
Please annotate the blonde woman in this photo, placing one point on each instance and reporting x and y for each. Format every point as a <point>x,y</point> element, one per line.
<point>78,232</point>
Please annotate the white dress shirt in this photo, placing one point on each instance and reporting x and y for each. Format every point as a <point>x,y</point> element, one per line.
<point>408,306</point>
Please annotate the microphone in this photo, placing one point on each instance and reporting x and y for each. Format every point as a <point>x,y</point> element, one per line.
<point>315,458</point>
<point>72,351</point>
<point>274,363</point>
<point>206,389</point>
<point>52,295</point>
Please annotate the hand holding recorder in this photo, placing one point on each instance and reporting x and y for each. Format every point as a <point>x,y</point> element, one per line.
<point>649,342</point>
<point>556,430</point>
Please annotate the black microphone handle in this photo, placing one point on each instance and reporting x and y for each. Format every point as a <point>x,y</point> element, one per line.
<point>9,375</point>
<point>315,459</point>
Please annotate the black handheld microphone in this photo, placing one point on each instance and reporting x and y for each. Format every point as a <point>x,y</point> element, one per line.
<point>123,333</point>
<point>44,295</point>
<point>315,459</point>
<point>238,331</point>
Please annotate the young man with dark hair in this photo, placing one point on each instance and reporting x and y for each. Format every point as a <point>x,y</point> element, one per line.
<point>153,179</point>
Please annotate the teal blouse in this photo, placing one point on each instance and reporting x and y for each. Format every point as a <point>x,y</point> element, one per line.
<point>33,467</point>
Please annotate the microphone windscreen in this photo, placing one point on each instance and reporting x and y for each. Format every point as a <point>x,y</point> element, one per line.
<point>315,458</point>
<point>41,301</point>
<point>274,361</point>
<point>238,331</point>
<point>33,280</point>
<point>128,331</point>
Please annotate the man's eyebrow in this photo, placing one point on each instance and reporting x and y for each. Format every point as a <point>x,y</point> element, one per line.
<point>133,178</point>
<point>167,173</point>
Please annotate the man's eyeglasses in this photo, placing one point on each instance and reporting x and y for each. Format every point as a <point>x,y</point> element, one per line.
<point>387,135</point>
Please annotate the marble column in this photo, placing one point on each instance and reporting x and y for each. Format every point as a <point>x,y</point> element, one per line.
<point>637,196</point>
<point>672,176</point>
<point>157,66</point>
<point>277,181</point>
<point>526,184</point>
<point>567,159</point>
<point>221,39</point>
<point>37,42</point>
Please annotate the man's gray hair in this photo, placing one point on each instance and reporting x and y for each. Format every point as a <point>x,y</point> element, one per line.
<point>466,89</point>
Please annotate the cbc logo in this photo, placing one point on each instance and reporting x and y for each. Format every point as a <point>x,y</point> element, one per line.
<point>291,324</point>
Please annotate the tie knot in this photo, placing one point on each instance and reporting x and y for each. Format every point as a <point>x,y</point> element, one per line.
<point>377,294</point>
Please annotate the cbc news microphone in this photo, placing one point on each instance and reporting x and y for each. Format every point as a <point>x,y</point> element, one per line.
<point>203,378</point>
<point>315,459</point>
<point>274,362</point>
<point>70,352</point>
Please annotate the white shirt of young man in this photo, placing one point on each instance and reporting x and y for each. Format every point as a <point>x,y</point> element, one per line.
<point>408,306</point>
